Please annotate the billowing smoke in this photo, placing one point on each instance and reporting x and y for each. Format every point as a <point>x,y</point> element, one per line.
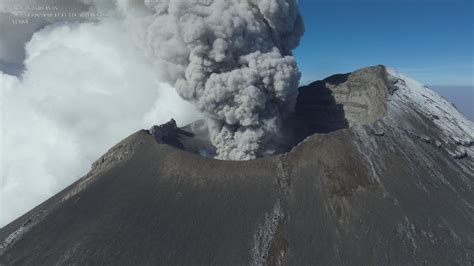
<point>233,60</point>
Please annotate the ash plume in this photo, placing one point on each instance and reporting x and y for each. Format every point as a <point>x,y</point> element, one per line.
<point>233,60</point>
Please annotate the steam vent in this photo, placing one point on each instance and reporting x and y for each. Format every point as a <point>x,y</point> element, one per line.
<point>374,169</point>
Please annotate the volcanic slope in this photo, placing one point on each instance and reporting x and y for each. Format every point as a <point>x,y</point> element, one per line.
<point>383,174</point>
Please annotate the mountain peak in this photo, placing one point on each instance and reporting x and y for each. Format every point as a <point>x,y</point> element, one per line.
<point>371,175</point>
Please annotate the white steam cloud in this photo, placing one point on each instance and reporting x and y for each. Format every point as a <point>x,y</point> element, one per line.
<point>13,37</point>
<point>85,87</point>
<point>233,60</point>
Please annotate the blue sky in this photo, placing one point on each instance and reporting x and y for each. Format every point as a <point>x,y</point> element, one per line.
<point>429,40</point>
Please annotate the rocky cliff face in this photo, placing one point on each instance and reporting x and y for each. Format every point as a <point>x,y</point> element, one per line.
<point>383,174</point>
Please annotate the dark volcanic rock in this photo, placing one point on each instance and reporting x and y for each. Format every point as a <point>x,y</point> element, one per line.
<point>347,197</point>
<point>169,133</point>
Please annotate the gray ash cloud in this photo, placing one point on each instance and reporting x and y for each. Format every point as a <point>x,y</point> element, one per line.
<point>233,60</point>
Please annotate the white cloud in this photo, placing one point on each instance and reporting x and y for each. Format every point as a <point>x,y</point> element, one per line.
<point>85,87</point>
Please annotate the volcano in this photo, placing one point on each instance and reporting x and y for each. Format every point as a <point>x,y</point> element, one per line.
<point>373,168</point>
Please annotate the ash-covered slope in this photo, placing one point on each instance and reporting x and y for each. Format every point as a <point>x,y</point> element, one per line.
<point>389,182</point>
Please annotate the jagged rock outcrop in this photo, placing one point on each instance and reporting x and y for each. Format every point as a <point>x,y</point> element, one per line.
<point>169,133</point>
<point>385,187</point>
<point>338,102</point>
